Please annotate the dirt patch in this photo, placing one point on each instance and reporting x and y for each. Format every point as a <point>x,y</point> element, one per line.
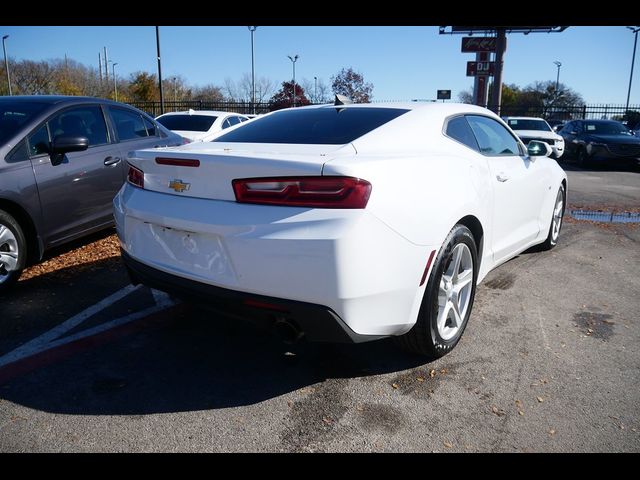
<point>372,416</point>
<point>502,282</point>
<point>596,325</point>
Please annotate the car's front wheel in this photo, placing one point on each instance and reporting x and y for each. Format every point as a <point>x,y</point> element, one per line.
<point>448,297</point>
<point>12,250</point>
<point>556,221</point>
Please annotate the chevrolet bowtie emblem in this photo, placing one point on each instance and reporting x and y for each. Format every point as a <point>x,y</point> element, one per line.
<point>179,186</point>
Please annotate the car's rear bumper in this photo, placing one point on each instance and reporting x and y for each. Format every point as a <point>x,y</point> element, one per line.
<point>345,260</point>
<point>314,322</point>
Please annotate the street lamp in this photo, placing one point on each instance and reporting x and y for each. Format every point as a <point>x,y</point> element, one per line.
<point>175,90</point>
<point>315,89</point>
<point>6,62</point>
<point>293,61</point>
<point>253,72</point>
<point>633,58</point>
<point>558,64</point>
<point>115,81</point>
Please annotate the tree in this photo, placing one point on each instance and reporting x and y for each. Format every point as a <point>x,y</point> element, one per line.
<point>466,96</point>
<point>240,91</point>
<point>144,87</point>
<point>209,93</point>
<point>284,97</point>
<point>317,90</point>
<point>351,84</point>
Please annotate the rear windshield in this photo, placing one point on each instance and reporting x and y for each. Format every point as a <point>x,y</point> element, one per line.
<point>519,124</point>
<point>606,128</point>
<point>190,123</point>
<point>332,126</point>
<point>14,115</point>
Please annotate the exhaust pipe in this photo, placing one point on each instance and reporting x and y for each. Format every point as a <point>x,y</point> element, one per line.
<point>287,331</point>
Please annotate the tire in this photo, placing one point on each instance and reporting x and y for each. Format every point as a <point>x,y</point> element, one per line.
<point>581,157</point>
<point>13,251</point>
<point>426,337</point>
<point>556,221</point>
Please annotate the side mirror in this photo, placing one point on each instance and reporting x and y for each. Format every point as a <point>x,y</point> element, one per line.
<point>62,144</point>
<point>538,149</point>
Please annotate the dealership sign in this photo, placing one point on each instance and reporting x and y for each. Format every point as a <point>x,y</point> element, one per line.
<point>476,69</point>
<point>478,44</point>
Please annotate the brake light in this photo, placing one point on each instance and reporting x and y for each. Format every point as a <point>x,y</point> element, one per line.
<point>135,177</point>
<point>178,162</point>
<point>318,192</point>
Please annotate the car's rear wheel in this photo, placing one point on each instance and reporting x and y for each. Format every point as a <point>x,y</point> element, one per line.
<point>581,157</point>
<point>448,297</point>
<point>556,221</point>
<point>13,250</point>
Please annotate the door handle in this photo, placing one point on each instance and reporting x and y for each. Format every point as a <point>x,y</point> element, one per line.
<point>111,161</point>
<point>502,177</point>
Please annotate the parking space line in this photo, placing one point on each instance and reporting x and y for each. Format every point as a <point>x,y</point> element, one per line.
<point>39,343</point>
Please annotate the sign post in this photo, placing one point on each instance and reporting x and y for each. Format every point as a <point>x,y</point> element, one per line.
<point>444,95</point>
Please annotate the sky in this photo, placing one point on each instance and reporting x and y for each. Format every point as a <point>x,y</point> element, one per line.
<point>402,62</point>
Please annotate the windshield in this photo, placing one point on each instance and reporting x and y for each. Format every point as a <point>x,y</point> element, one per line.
<point>520,124</point>
<point>325,126</point>
<point>15,115</point>
<point>190,123</point>
<point>606,128</point>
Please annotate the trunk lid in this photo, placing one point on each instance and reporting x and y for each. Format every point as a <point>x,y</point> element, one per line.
<point>221,163</point>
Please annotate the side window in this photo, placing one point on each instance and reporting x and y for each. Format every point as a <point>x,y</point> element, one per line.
<point>81,121</point>
<point>152,131</point>
<point>492,137</point>
<point>458,128</point>
<point>128,125</point>
<point>39,141</point>
<point>226,123</point>
<point>234,120</point>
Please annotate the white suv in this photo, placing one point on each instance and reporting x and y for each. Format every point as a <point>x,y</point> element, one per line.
<point>532,128</point>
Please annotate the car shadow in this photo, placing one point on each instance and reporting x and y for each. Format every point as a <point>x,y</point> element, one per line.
<point>194,361</point>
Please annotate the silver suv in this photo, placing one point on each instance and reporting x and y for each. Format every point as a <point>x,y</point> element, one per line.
<point>62,160</point>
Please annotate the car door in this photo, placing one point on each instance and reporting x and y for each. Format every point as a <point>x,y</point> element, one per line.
<point>76,195</point>
<point>518,187</point>
<point>570,133</point>
<point>133,131</point>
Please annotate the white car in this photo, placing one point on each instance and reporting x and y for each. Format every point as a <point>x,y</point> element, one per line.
<point>200,125</point>
<point>342,223</point>
<point>531,128</point>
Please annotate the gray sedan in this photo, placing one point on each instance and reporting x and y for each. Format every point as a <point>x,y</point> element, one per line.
<point>62,160</point>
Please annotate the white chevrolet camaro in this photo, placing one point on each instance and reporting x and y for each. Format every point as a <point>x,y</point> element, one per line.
<point>345,222</point>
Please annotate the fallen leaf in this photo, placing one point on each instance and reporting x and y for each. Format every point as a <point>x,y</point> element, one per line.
<point>394,385</point>
<point>444,371</point>
<point>432,373</point>
<point>540,399</point>
<point>360,408</point>
<point>420,379</point>
<point>497,411</point>
<point>447,444</point>
<point>552,432</point>
<point>520,412</point>
<point>327,420</point>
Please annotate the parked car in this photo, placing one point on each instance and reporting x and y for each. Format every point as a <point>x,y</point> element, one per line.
<point>531,128</point>
<point>61,164</point>
<point>364,221</point>
<point>606,141</point>
<point>200,125</point>
<point>556,124</point>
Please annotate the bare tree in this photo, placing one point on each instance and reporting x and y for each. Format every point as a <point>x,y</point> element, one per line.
<point>317,90</point>
<point>32,78</point>
<point>240,91</point>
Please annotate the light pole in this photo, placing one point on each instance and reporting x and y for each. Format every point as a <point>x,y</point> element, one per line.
<point>253,72</point>
<point>159,70</point>
<point>633,58</point>
<point>558,64</point>
<point>115,82</point>
<point>293,61</point>
<point>175,90</point>
<point>315,89</point>
<point>6,62</point>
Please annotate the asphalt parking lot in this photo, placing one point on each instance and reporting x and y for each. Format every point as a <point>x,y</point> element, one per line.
<point>548,363</point>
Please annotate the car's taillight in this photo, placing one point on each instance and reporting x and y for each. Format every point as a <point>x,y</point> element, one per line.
<point>316,192</point>
<point>186,140</point>
<point>135,176</point>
